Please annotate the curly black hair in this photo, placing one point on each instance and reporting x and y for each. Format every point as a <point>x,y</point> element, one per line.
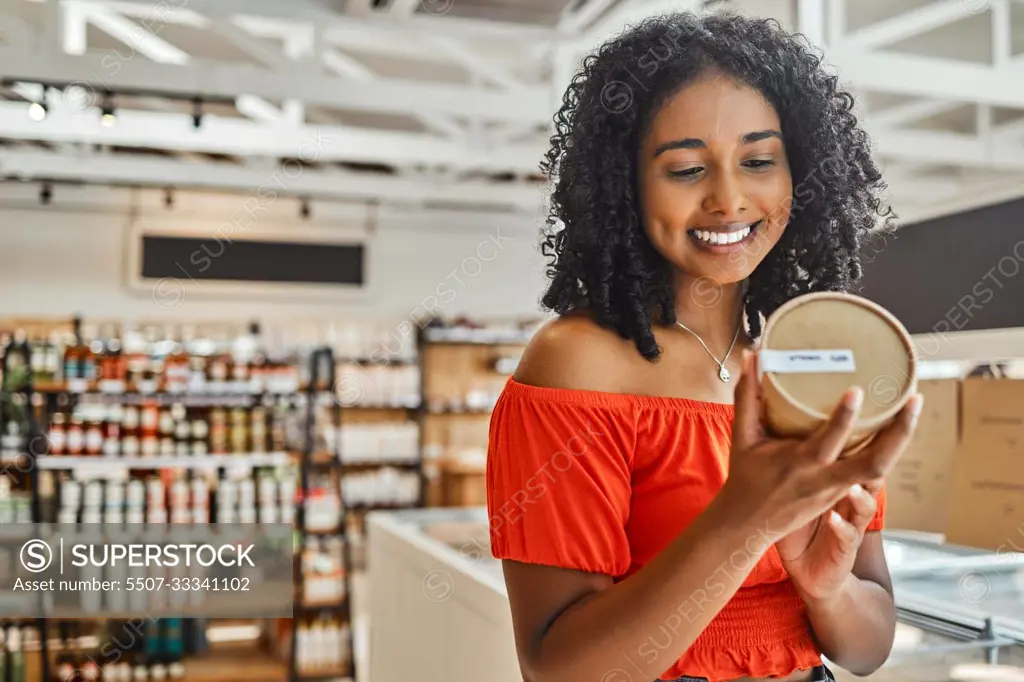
<point>599,257</point>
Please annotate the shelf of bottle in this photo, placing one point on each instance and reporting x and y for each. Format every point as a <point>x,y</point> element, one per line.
<point>343,674</point>
<point>380,506</point>
<point>449,413</point>
<point>213,389</point>
<point>250,459</point>
<point>372,464</point>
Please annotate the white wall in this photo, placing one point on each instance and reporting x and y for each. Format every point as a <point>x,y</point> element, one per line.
<point>73,256</point>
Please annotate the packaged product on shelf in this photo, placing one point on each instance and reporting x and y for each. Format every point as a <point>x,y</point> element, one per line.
<point>258,430</point>
<point>112,430</point>
<point>218,431</point>
<point>239,430</point>
<point>56,436</point>
<point>75,442</point>
<point>130,445</point>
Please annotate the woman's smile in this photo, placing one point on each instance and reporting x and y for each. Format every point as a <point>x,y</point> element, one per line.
<point>725,239</point>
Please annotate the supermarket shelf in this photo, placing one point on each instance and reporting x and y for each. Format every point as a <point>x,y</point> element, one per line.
<point>370,465</point>
<point>62,462</point>
<point>380,407</point>
<point>322,605</point>
<point>210,389</point>
<point>452,413</point>
<point>337,674</point>
<point>383,506</point>
<point>248,667</point>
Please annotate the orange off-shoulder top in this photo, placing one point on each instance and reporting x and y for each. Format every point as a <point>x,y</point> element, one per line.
<point>602,482</point>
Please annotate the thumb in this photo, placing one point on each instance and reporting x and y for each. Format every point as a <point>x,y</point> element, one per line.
<point>747,427</point>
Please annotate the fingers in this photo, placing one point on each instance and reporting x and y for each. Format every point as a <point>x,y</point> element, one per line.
<point>878,459</point>
<point>828,441</point>
<point>747,427</point>
<point>860,508</point>
<point>846,533</point>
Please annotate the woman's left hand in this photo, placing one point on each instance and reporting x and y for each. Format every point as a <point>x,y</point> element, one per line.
<point>820,555</point>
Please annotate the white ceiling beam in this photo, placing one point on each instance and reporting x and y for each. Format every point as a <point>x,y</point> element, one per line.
<point>931,77</point>
<point>141,170</point>
<point>968,151</point>
<point>353,69</point>
<point>297,11</point>
<point>933,15</point>
<point>161,51</point>
<point>258,109</point>
<point>477,64</point>
<point>134,35</point>
<point>582,14</point>
<point>212,79</point>
<point>239,137</point>
<point>902,114</point>
<point>811,21</point>
<point>74,28</point>
<point>1002,33</point>
<point>836,21</point>
<point>247,43</point>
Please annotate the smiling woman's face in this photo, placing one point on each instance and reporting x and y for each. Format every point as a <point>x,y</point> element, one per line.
<point>715,185</point>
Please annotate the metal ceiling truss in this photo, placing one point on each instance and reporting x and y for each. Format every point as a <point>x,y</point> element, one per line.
<point>410,87</point>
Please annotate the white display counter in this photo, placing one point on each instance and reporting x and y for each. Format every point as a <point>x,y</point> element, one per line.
<point>439,609</point>
<point>438,606</point>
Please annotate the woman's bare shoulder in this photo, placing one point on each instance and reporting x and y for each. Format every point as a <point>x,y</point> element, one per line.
<point>575,352</point>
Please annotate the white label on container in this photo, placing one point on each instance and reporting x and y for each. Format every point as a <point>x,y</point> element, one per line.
<point>806,361</point>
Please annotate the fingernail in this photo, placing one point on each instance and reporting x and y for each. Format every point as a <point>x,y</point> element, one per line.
<point>853,398</point>
<point>835,518</point>
<point>858,489</point>
<point>918,405</point>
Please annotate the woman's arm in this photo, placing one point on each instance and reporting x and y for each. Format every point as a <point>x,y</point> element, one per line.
<point>573,626</point>
<point>856,627</point>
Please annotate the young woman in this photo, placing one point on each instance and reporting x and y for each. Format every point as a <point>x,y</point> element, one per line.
<point>707,169</point>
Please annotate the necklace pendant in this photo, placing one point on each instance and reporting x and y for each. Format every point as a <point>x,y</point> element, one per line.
<point>723,374</point>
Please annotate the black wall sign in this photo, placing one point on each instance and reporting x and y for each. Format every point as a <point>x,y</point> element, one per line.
<point>961,272</point>
<point>252,260</point>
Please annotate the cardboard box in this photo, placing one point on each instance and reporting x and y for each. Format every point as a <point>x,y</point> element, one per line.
<point>919,488</point>
<point>987,507</point>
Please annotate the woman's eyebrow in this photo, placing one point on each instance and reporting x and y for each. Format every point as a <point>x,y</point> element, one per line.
<point>696,143</point>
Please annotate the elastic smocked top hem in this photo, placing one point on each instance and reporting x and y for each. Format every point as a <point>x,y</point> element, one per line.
<point>590,398</point>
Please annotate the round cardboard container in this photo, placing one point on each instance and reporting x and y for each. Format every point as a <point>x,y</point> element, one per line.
<point>883,364</point>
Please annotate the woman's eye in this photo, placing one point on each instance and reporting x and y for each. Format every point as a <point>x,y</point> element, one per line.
<point>686,172</point>
<point>758,164</point>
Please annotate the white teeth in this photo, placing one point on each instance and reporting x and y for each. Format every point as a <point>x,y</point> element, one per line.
<point>722,237</point>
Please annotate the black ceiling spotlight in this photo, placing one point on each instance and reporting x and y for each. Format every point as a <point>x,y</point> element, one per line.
<point>169,197</point>
<point>108,115</point>
<point>304,209</point>
<point>197,112</point>
<point>37,111</point>
<point>45,193</point>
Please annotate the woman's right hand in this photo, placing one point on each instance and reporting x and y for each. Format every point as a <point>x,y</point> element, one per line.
<point>786,483</point>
